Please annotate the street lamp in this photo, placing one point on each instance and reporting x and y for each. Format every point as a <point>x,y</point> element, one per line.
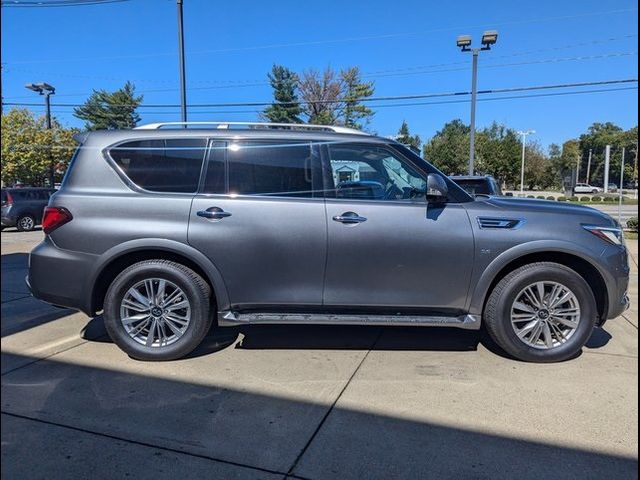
<point>47,90</point>
<point>524,139</point>
<point>490,37</point>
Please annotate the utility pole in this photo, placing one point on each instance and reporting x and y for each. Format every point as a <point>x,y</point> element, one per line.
<point>183,92</point>
<point>620,189</point>
<point>588,167</point>
<point>578,165</point>
<point>489,38</point>
<point>524,140</point>
<point>607,153</point>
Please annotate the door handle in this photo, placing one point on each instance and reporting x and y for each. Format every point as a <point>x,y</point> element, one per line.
<point>213,213</point>
<point>349,217</point>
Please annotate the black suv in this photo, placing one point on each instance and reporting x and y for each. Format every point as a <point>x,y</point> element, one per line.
<point>478,184</point>
<point>22,207</point>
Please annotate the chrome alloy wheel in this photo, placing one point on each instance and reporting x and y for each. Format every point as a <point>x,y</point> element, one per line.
<point>27,223</point>
<point>545,315</point>
<point>155,312</point>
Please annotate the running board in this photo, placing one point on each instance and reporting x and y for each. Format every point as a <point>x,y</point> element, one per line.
<point>229,318</point>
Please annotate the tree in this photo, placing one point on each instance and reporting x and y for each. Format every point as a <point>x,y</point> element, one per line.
<point>405,137</point>
<point>29,149</point>
<point>538,168</point>
<point>448,149</point>
<point>353,113</point>
<point>498,151</point>
<point>110,110</point>
<point>286,106</point>
<point>321,95</point>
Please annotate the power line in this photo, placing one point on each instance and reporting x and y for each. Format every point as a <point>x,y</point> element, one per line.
<point>372,99</point>
<point>382,73</point>
<point>333,41</point>
<point>56,3</point>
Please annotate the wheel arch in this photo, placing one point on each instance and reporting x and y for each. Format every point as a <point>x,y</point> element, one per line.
<point>118,258</point>
<point>510,260</point>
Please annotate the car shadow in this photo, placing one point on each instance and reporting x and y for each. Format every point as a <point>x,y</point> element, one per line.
<point>340,337</point>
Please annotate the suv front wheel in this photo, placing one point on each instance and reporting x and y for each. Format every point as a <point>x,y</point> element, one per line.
<point>541,312</point>
<point>158,310</point>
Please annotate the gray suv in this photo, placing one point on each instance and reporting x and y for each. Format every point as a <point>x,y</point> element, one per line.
<point>167,229</point>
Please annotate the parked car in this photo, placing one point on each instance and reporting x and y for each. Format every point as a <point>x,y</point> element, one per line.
<point>22,207</point>
<point>612,188</point>
<point>478,184</point>
<point>166,230</point>
<point>586,188</point>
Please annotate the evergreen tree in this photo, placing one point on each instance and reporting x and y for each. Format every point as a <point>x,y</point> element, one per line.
<point>405,137</point>
<point>286,106</point>
<point>110,110</point>
<point>354,113</point>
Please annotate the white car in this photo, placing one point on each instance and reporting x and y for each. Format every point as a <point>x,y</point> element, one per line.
<point>586,188</point>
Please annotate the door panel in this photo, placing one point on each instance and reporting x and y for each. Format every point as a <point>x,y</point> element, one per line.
<point>270,251</point>
<point>403,255</point>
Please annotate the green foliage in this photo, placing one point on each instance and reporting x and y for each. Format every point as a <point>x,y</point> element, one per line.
<point>29,149</point>
<point>110,110</point>
<point>404,136</point>
<point>585,199</point>
<point>355,114</point>
<point>550,197</point>
<point>286,105</point>
<point>597,137</point>
<point>573,199</point>
<point>632,224</point>
<point>562,198</point>
<point>539,170</point>
<point>608,199</point>
<point>531,196</point>
<point>596,199</point>
<point>541,197</point>
<point>498,153</point>
<point>448,149</point>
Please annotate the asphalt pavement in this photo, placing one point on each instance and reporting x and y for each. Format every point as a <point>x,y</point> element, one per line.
<point>314,402</point>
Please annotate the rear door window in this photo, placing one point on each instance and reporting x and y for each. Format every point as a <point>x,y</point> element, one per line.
<point>270,169</point>
<point>166,165</point>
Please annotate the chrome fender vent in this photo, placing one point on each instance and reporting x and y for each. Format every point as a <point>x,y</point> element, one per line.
<point>502,223</point>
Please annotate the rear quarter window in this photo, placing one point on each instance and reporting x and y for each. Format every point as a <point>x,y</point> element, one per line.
<point>166,165</point>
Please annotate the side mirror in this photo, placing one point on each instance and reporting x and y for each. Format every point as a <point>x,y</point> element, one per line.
<point>437,190</point>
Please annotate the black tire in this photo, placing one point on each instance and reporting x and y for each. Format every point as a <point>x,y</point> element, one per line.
<point>497,314</point>
<point>595,190</point>
<point>196,290</point>
<point>26,223</point>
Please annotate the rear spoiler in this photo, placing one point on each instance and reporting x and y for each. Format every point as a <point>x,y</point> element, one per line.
<point>80,137</point>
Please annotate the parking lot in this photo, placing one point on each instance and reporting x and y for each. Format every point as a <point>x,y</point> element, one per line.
<point>307,401</point>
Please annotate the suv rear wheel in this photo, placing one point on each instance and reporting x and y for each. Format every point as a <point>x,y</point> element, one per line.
<point>542,312</point>
<point>158,310</point>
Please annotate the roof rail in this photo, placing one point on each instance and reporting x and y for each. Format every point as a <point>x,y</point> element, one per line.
<point>254,125</point>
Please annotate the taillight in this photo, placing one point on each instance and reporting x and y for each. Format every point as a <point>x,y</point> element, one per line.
<point>9,200</point>
<point>55,217</point>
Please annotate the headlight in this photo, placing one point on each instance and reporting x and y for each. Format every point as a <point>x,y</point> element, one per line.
<point>611,235</point>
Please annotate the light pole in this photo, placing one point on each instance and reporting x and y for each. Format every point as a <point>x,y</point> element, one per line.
<point>524,141</point>
<point>489,38</point>
<point>47,90</point>
<point>183,92</point>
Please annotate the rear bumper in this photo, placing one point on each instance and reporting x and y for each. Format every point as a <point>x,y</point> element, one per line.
<point>60,277</point>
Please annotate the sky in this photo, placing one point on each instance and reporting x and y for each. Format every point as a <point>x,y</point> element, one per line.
<point>406,47</point>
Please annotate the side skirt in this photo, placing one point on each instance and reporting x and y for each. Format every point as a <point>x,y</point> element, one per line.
<point>230,318</point>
